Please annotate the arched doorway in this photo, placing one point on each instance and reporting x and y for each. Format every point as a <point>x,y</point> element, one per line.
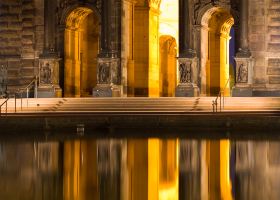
<point>168,62</point>
<point>81,46</point>
<point>215,44</point>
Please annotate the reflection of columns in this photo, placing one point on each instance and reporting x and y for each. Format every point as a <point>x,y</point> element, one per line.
<point>243,165</point>
<point>187,55</point>
<point>189,170</point>
<point>244,62</point>
<point>109,169</point>
<point>108,62</point>
<point>49,168</point>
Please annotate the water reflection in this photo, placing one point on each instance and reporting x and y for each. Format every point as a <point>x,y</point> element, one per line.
<point>139,169</point>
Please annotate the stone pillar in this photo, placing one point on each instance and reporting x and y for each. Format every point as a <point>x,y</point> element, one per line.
<point>108,61</point>
<point>244,61</point>
<point>187,56</point>
<point>49,60</point>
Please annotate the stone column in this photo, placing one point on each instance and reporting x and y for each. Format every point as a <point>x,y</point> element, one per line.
<point>108,61</point>
<point>49,60</point>
<point>187,56</point>
<point>244,61</point>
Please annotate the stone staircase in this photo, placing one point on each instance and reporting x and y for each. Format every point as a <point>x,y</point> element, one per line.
<point>141,105</point>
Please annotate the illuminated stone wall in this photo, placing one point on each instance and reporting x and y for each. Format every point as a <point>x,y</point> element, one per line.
<point>25,35</point>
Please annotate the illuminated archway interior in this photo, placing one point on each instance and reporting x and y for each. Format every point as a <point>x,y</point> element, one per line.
<point>81,48</point>
<point>215,37</point>
<point>168,63</point>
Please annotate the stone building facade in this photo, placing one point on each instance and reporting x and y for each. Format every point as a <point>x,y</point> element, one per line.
<point>116,48</point>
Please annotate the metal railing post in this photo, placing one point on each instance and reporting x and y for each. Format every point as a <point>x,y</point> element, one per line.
<point>36,87</point>
<point>27,95</point>
<point>220,102</point>
<point>15,102</point>
<point>21,101</point>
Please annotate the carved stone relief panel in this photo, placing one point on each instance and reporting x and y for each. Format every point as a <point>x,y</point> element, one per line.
<point>48,72</point>
<point>103,73</point>
<point>109,71</point>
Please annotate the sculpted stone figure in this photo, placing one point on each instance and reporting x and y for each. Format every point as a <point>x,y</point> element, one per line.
<point>189,73</point>
<point>242,76</point>
<point>104,73</point>
<point>45,75</point>
<point>183,74</point>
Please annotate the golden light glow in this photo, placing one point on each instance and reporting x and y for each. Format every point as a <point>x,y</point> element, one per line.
<point>162,169</point>
<point>80,50</point>
<point>168,19</point>
<point>215,36</point>
<point>153,169</point>
<point>168,32</point>
<point>76,17</point>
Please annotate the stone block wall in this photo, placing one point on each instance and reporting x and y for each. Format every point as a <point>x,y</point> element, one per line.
<point>21,39</point>
<point>264,43</point>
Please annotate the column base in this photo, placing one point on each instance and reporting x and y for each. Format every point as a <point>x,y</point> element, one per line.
<point>242,91</point>
<point>49,92</point>
<point>106,91</point>
<point>186,90</point>
<point>46,92</point>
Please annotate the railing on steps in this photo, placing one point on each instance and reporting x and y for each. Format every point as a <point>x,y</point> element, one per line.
<point>5,103</point>
<point>221,98</point>
<point>27,89</point>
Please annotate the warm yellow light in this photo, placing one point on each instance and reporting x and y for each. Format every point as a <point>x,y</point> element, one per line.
<point>225,182</point>
<point>76,17</point>
<point>168,20</point>
<point>169,193</point>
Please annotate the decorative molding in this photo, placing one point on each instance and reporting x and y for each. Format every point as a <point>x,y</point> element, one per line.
<point>155,4</point>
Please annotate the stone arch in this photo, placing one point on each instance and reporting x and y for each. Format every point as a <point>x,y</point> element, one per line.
<point>66,11</point>
<point>60,33</point>
<point>81,47</point>
<point>216,23</point>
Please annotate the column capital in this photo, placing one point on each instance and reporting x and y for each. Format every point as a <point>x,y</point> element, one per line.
<point>155,4</point>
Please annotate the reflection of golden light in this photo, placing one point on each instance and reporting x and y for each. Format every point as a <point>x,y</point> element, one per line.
<point>169,193</point>
<point>225,182</point>
<point>162,169</point>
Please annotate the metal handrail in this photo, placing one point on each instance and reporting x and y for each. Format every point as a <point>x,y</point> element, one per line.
<point>27,88</point>
<point>220,96</point>
<point>5,102</point>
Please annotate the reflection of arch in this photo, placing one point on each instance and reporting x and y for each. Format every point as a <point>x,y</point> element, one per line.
<point>168,53</point>
<point>216,23</point>
<point>81,45</point>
